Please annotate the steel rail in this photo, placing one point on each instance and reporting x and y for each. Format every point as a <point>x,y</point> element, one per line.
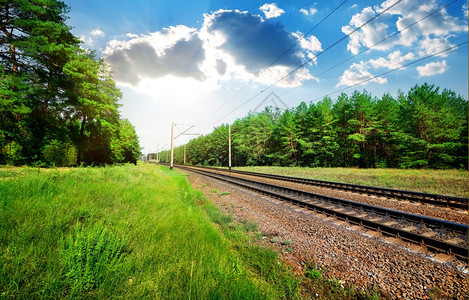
<point>434,199</point>
<point>280,192</point>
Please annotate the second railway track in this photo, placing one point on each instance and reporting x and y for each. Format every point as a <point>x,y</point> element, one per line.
<point>437,235</point>
<point>426,198</point>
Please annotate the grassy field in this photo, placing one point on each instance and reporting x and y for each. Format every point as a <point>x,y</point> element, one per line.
<point>446,182</point>
<point>125,232</point>
<point>135,232</point>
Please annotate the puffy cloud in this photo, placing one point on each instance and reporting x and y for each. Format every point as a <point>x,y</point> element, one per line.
<point>357,74</point>
<point>406,12</point>
<point>429,35</point>
<point>369,35</point>
<point>252,42</point>
<point>430,46</point>
<point>87,40</point>
<point>271,10</point>
<point>221,67</point>
<point>432,68</point>
<point>138,58</point>
<point>310,43</point>
<point>395,60</point>
<point>97,32</point>
<point>308,12</point>
<point>90,39</point>
<point>229,45</point>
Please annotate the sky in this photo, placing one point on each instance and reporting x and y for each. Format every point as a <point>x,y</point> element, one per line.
<point>204,63</point>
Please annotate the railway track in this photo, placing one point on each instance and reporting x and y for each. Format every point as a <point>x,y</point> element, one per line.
<point>435,234</point>
<point>427,198</point>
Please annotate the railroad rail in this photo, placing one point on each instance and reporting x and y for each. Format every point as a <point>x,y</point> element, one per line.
<point>434,199</point>
<point>438,235</point>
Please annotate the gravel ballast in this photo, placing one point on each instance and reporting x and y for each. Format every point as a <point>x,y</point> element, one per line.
<point>352,256</point>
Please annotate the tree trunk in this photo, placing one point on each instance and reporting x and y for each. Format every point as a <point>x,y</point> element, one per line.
<point>9,39</point>
<point>80,140</point>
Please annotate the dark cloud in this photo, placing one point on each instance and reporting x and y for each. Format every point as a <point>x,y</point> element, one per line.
<point>221,67</point>
<point>140,60</point>
<point>184,57</point>
<point>253,42</point>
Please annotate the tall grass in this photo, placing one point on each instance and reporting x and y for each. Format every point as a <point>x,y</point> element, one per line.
<point>446,182</point>
<point>125,232</point>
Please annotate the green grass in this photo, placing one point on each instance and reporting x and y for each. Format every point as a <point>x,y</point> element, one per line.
<point>130,232</point>
<point>446,182</point>
<point>134,232</point>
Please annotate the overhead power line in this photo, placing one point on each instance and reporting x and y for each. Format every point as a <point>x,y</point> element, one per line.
<point>281,55</point>
<point>309,60</point>
<point>392,70</point>
<point>376,44</point>
<point>299,40</point>
<point>387,38</point>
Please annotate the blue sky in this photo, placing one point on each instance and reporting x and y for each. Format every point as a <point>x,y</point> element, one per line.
<point>206,63</point>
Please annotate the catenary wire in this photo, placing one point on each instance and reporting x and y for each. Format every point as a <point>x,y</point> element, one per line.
<point>308,61</point>
<point>392,70</point>
<point>383,40</point>
<point>285,52</point>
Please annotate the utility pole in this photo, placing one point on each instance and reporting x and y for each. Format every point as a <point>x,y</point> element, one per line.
<point>229,147</point>
<point>173,138</point>
<point>172,146</point>
<point>157,155</point>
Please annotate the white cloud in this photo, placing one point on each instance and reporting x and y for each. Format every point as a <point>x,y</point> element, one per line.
<point>271,10</point>
<point>97,32</point>
<point>369,35</point>
<point>221,50</point>
<point>131,35</point>
<point>356,74</point>
<point>407,12</point>
<point>89,39</point>
<point>431,46</point>
<point>311,44</point>
<point>146,57</point>
<point>359,72</point>
<point>395,60</point>
<point>432,68</point>
<point>422,29</point>
<point>308,12</point>
<point>229,36</point>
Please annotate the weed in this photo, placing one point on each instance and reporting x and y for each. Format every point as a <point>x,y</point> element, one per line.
<point>258,236</point>
<point>214,191</point>
<point>89,255</point>
<point>224,194</point>
<point>313,274</point>
<point>249,226</point>
<point>435,292</point>
<point>287,242</point>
